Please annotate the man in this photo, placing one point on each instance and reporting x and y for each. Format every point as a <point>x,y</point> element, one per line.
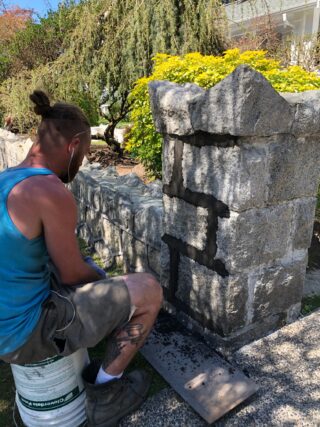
<point>41,316</point>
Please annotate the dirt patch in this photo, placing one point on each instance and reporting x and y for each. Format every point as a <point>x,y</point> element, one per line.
<point>124,165</point>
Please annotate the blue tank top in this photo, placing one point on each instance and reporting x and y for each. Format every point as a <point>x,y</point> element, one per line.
<point>24,274</point>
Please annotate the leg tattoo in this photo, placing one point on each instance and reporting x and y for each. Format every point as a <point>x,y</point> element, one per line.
<point>132,333</point>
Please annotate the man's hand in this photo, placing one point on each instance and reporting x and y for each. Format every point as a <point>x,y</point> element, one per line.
<point>95,267</point>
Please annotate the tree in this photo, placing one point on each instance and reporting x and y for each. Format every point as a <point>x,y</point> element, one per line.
<point>114,43</point>
<point>12,20</point>
<point>110,44</point>
<point>41,42</point>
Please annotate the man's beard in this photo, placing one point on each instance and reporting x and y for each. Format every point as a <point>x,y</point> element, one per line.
<point>72,171</point>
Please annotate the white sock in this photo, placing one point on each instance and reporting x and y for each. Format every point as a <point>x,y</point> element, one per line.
<point>103,377</point>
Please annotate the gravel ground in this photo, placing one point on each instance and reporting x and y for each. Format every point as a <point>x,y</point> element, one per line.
<point>165,409</point>
<point>286,366</point>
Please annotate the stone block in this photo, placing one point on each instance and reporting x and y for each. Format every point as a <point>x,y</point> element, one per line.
<point>168,159</point>
<point>84,233</point>
<point>171,104</point>
<point>105,252</point>
<point>148,225</point>
<point>3,155</point>
<point>9,136</point>
<point>219,302</point>
<point>15,148</point>
<point>293,312</point>
<point>123,212</point>
<point>111,235</point>
<point>154,263</point>
<point>93,222</point>
<point>304,214</point>
<point>85,186</point>
<point>104,201</point>
<point>74,187</point>
<point>278,288</point>
<point>243,104</point>
<point>244,305</point>
<point>135,256</point>
<point>237,176</point>
<point>130,180</point>
<point>165,265</point>
<point>154,188</point>
<point>185,222</point>
<point>293,168</point>
<point>307,110</point>
<point>82,212</point>
<point>92,190</point>
<point>254,237</point>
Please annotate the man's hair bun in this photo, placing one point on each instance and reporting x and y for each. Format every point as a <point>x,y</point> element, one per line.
<point>42,104</point>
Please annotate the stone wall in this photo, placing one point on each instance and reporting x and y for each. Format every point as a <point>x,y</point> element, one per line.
<point>119,216</point>
<point>240,179</point>
<point>13,148</point>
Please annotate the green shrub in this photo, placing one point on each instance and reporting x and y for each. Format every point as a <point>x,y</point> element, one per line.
<point>206,71</point>
<point>56,79</point>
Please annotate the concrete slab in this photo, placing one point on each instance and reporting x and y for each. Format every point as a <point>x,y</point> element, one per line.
<point>207,382</point>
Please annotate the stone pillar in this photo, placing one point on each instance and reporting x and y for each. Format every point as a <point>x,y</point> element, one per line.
<point>240,177</point>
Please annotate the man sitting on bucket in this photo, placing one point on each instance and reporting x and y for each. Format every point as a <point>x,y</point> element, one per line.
<point>41,314</point>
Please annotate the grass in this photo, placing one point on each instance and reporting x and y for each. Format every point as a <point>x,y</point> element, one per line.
<point>6,380</point>
<point>98,142</point>
<point>309,304</point>
<point>6,395</point>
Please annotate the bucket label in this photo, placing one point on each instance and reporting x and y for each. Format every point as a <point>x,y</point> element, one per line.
<point>49,405</point>
<point>48,385</point>
<point>43,362</point>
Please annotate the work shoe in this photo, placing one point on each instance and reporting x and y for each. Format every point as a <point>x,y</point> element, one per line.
<point>107,403</point>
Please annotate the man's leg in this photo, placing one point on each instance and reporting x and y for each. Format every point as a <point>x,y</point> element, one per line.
<point>109,401</point>
<point>146,296</point>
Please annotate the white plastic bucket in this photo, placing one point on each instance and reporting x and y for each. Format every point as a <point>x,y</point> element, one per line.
<point>51,392</point>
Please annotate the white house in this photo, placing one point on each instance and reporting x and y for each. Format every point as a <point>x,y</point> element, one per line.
<point>298,18</point>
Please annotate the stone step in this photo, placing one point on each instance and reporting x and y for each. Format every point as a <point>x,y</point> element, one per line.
<point>200,376</point>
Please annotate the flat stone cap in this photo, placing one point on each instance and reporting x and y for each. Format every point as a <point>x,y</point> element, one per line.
<point>242,104</point>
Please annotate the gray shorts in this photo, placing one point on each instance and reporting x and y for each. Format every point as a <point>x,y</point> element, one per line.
<point>76,317</point>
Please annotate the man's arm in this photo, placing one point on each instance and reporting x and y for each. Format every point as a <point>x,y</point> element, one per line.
<point>58,213</point>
